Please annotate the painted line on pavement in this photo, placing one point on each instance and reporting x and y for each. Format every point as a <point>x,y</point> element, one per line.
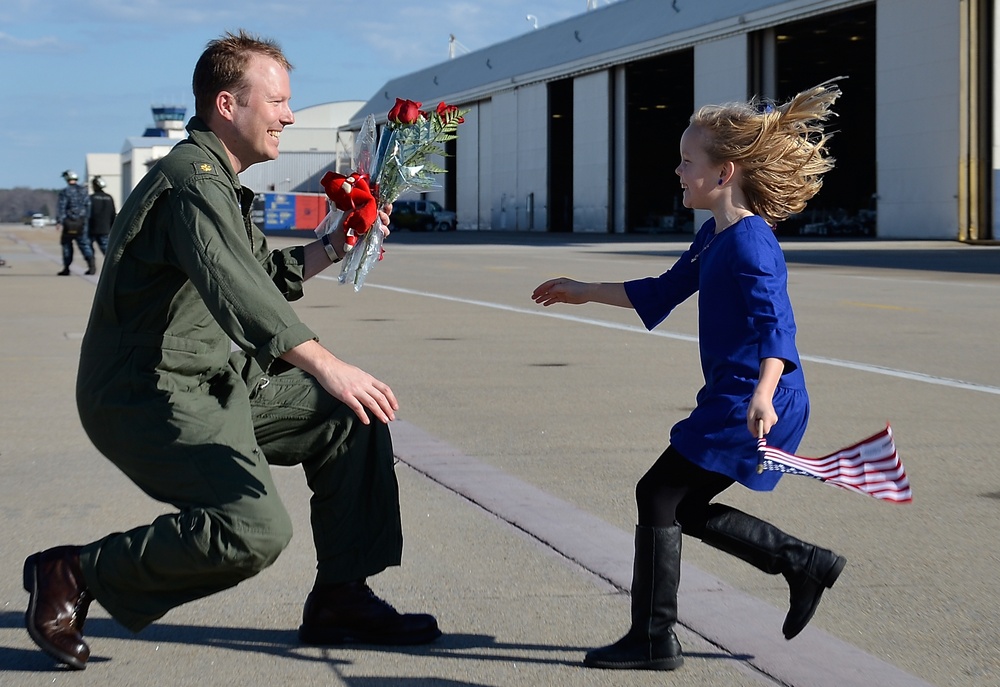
<point>822,360</point>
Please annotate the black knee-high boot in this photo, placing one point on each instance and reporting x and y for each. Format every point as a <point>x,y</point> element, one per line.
<point>656,573</point>
<point>808,569</point>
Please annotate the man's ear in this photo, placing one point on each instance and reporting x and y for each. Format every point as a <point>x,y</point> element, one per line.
<point>225,105</point>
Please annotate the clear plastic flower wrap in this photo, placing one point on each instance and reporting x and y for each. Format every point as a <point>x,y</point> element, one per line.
<point>382,173</point>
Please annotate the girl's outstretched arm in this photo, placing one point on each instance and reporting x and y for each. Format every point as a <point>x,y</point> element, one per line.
<point>564,290</point>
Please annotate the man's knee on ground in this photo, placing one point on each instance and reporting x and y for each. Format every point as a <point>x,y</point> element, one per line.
<point>239,545</point>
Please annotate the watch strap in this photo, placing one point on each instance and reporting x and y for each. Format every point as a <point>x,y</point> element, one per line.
<point>330,252</point>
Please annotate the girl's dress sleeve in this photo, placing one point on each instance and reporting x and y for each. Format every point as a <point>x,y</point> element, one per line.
<point>655,297</point>
<point>760,271</point>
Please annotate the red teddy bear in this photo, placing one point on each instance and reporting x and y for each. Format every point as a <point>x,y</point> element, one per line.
<point>353,196</point>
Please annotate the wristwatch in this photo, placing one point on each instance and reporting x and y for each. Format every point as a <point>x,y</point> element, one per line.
<point>330,252</point>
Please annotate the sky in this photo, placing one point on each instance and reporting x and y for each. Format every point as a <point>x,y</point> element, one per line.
<point>80,76</point>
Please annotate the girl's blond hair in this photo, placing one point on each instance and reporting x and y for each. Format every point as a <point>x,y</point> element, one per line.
<point>781,151</point>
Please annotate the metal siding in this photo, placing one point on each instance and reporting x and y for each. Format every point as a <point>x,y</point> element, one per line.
<point>291,172</point>
<point>996,125</point>
<point>532,157</point>
<point>486,165</point>
<point>917,77</point>
<point>467,183</point>
<point>591,152</point>
<point>503,142</point>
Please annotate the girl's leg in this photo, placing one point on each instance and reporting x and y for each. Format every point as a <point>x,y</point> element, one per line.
<point>676,491</point>
<point>650,643</point>
<point>808,569</point>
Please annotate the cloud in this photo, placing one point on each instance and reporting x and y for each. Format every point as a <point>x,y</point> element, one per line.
<point>45,44</point>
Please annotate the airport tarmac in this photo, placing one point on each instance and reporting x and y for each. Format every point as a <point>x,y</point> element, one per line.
<point>521,434</point>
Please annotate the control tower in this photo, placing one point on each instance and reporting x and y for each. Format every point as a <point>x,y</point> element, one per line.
<point>168,122</point>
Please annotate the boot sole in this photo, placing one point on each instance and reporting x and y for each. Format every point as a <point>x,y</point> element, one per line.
<point>827,582</point>
<point>834,572</point>
<point>333,636</point>
<point>30,574</point>
<point>662,664</point>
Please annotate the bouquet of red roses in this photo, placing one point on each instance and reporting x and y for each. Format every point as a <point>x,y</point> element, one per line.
<point>398,163</point>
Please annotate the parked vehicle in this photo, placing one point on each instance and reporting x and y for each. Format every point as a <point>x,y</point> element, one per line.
<point>421,215</point>
<point>39,220</point>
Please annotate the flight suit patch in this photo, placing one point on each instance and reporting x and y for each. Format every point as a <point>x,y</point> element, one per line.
<point>204,168</point>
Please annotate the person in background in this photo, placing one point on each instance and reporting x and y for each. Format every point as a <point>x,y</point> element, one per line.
<point>197,426</point>
<point>102,214</point>
<point>72,218</point>
<point>752,167</point>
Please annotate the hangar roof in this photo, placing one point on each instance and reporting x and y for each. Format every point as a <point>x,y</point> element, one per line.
<point>622,31</point>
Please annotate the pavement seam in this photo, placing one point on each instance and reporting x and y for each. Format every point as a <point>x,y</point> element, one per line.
<point>740,625</point>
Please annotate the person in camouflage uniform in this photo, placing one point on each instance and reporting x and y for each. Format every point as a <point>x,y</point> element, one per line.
<point>197,426</point>
<point>72,219</point>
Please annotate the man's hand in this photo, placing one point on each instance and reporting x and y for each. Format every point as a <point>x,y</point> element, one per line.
<point>354,387</point>
<point>359,390</point>
<point>383,215</point>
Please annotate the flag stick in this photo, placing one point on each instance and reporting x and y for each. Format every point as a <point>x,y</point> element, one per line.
<point>760,452</point>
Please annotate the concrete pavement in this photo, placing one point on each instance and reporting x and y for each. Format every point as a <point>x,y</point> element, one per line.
<point>517,516</point>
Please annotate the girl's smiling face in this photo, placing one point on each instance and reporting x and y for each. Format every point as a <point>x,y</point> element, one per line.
<point>698,174</point>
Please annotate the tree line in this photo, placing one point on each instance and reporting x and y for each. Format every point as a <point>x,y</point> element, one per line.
<point>19,204</point>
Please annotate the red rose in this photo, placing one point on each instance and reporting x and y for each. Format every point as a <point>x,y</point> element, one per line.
<point>447,112</point>
<point>404,111</point>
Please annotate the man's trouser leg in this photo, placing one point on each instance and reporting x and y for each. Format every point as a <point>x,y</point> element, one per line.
<point>67,250</point>
<point>231,523</point>
<point>86,249</point>
<point>349,468</point>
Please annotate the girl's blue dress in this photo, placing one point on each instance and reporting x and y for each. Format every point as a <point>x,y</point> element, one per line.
<point>744,315</point>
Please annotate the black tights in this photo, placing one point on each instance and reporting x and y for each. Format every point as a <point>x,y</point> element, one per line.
<point>675,490</point>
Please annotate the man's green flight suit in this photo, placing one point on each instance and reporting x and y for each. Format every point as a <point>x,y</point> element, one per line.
<point>194,425</point>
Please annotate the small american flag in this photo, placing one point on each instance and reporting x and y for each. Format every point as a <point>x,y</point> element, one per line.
<point>871,466</point>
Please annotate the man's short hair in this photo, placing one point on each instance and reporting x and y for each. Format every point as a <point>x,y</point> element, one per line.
<point>223,65</point>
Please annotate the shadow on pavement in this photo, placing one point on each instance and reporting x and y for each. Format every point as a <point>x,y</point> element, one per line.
<point>284,643</point>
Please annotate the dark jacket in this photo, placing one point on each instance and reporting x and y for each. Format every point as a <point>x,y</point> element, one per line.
<point>102,213</point>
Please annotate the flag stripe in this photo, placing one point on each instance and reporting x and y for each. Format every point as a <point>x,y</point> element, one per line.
<point>871,466</point>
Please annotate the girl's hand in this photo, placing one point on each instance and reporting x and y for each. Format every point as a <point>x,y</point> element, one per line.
<point>761,410</point>
<point>761,407</point>
<point>561,290</point>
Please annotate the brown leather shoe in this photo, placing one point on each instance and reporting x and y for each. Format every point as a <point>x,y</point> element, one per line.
<point>57,604</point>
<point>350,612</point>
